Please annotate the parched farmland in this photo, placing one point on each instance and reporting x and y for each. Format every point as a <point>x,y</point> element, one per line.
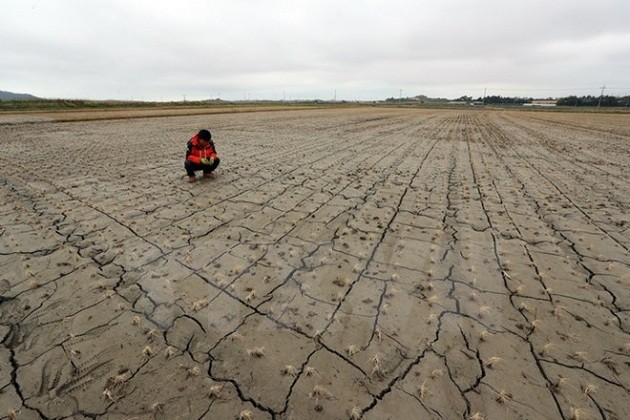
<point>353,263</point>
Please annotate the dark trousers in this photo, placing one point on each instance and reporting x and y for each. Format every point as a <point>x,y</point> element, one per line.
<point>191,167</point>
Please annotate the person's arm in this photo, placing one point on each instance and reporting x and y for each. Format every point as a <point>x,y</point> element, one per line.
<point>191,156</point>
<point>213,153</point>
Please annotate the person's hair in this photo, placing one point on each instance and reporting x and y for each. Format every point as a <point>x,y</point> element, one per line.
<point>204,135</point>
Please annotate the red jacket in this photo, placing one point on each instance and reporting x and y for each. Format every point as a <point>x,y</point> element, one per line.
<point>195,152</point>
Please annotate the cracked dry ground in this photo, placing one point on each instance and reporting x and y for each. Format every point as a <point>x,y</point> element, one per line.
<point>343,264</point>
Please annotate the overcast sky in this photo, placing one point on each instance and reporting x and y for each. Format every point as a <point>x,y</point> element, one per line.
<point>272,49</point>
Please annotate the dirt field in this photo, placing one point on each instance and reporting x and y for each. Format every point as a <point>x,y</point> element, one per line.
<point>357,263</point>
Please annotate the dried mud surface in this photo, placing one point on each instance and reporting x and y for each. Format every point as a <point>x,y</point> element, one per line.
<point>343,264</point>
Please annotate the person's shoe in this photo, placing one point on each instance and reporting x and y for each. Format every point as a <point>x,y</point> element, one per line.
<point>192,178</point>
<point>209,175</point>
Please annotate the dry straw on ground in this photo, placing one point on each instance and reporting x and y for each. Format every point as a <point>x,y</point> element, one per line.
<point>344,263</point>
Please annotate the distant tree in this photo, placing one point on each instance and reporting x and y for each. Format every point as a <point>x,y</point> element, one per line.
<point>500,100</point>
<point>606,101</point>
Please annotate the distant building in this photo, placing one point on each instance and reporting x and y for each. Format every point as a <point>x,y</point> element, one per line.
<point>542,102</point>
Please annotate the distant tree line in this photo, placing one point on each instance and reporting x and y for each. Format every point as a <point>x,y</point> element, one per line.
<point>504,100</point>
<point>496,99</point>
<point>589,100</point>
<point>594,101</point>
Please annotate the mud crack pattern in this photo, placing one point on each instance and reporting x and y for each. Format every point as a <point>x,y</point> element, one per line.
<point>358,263</point>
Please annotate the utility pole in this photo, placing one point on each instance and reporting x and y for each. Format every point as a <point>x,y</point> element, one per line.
<point>601,96</point>
<point>400,95</point>
<point>484,95</point>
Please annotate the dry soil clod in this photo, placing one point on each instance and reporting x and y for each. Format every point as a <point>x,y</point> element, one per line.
<point>483,311</point>
<point>256,352</point>
<point>200,304</point>
<point>215,391</point>
<point>484,335</point>
<point>245,415</point>
<point>356,414</point>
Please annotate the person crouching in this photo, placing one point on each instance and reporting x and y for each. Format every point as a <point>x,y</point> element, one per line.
<point>201,155</point>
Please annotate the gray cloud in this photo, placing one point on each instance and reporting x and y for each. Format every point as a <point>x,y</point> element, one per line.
<point>363,49</point>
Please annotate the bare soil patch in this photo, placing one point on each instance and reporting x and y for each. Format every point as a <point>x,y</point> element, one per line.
<point>83,114</point>
<point>356,263</point>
